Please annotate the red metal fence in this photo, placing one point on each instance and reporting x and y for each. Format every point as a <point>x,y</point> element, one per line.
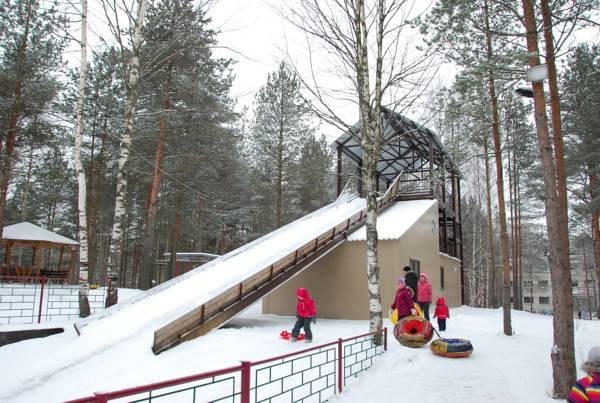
<point>43,299</point>
<point>313,374</point>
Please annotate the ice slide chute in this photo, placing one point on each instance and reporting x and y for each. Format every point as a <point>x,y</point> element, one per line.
<point>225,305</point>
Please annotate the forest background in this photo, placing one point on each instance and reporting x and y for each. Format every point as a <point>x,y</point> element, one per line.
<point>208,170</point>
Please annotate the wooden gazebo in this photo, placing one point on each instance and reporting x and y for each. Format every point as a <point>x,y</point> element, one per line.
<point>28,235</point>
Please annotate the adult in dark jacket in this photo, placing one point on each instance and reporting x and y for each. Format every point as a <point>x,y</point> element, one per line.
<point>403,300</point>
<point>411,279</point>
<point>306,312</point>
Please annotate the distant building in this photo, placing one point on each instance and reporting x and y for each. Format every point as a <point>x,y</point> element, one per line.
<point>184,262</point>
<point>537,289</point>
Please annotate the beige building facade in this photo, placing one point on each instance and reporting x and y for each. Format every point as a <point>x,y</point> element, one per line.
<point>408,236</point>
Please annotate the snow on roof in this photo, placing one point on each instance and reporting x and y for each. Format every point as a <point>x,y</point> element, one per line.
<point>26,231</point>
<point>396,220</point>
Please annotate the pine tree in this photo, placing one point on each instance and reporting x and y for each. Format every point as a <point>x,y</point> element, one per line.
<point>581,101</point>
<point>314,176</point>
<point>282,122</point>
<point>30,50</point>
<point>468,34</point>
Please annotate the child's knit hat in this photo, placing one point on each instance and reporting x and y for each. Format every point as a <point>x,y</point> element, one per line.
<point>592,365</point>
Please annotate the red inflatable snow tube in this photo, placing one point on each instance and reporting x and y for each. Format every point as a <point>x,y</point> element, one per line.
<point>413,331</point>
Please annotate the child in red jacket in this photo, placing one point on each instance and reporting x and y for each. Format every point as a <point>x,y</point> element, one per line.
<point>442,313</point>
<point>306,312</point>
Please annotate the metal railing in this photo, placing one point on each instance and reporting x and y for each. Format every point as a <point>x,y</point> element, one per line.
<point>314,374</point>
<point>39,299</point>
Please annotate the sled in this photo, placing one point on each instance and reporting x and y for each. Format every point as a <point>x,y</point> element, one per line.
<point>394,314</point>
<point>288,335</point>
<point>451,348</point>
<point>413,331</point>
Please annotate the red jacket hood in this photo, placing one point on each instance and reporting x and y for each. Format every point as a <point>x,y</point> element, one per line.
<point>302,293</point>
<point>440,301</point>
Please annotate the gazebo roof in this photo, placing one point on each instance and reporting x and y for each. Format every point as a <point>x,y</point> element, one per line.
<point>405,146</point>
<point>26,232</point>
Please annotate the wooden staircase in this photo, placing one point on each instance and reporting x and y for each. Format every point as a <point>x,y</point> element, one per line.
<point>230,302</point>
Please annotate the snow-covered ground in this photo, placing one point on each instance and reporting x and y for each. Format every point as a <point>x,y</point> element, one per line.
<point>502,368</point>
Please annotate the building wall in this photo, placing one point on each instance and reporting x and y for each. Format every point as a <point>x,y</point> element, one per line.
<point>338,281</point>
<point>452,289</point>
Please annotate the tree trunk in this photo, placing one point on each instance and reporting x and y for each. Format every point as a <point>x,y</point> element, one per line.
<point>115,251</point>
<point>84,303</point>
<point>279,179</point>
<point>499,183</point>
<point>596,243</point>
<point>146,271</point>
<point>175,236</point>
<point>24,204</point>
<point>491,259</point>
<point>562,353</point>
<point>513,217</point>
<point>519,238</point>
<point>371,132</point>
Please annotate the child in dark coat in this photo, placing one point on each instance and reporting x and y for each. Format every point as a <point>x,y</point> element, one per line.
<point>442,313</point>
<point>306,312</point>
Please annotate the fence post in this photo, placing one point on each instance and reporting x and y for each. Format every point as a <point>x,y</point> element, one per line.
<point>101,397</point>
<point>245,392</point>
<point>109,286</point>
<point>340,366</point>
<point>42,282</point>
<point>385,339</point>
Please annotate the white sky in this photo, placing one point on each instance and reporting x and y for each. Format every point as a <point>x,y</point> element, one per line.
<point>254,33</point>
<point>258,37</point>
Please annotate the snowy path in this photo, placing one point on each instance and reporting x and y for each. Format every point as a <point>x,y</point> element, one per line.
<point>501,369</point>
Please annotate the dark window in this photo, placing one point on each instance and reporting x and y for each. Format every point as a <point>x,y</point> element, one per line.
<point>544,300</point>
<point>575,283</point>
<point>415,265</point>
<point>543,283</point>
<point>527,300</point>
<point>441,278</point>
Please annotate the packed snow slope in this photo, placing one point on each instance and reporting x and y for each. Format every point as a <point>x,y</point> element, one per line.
<point>502,368</point>
<point>161,305</point>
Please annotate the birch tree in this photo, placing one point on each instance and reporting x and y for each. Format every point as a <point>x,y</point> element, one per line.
<point>365,40</point>
<point>132,68</point>
<point>84,304</point>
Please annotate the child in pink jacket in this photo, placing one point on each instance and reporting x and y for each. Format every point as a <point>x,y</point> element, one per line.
<point>424,294</point>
